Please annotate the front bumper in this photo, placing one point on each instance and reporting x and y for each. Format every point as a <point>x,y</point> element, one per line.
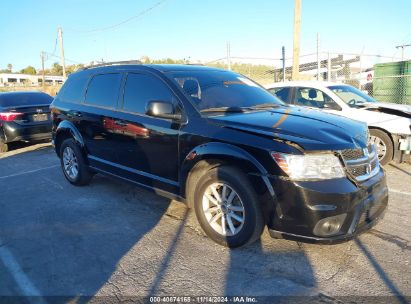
<point>12,131</point>
<point>300,205</point>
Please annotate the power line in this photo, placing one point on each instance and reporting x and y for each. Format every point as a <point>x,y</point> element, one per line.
<point>111,27</point>
<point>67,59</point>
<point>55,47</point>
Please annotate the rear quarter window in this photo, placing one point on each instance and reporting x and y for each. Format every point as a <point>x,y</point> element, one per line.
<point>73,89</point>
<point>103,90</point>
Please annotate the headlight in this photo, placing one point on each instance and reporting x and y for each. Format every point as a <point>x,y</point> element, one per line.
<point>310,166</point>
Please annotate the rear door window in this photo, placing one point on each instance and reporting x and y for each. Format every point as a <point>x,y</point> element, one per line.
<point>103,90</point>
<point>142,88</point>
<point>282,93</point>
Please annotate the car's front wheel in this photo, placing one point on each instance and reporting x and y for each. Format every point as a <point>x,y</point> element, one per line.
<point>227,207</point>
<point>383,145</point>
<point>73,163</point>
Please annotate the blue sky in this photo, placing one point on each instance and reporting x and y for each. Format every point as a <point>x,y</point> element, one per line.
<point>197,29</point>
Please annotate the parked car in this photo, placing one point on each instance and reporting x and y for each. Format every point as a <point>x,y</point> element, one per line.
<point>24,116</point>
<point>223,145</point>
<point>389,123</point>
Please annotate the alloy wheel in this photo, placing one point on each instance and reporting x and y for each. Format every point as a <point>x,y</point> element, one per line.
<point>380,146</point>
<point>70,163</point>
<point>223,209</point>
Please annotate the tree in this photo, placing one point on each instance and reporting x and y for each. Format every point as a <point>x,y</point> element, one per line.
<point>9,67</point>
<point>73,68</point>
<point>29,70</point>
<point>145,59</point>
<point>56,69</point>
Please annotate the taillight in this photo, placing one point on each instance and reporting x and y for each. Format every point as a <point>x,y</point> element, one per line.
<point>9,116</point>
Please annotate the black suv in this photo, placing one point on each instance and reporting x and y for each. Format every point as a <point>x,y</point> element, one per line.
<point>225,146</point>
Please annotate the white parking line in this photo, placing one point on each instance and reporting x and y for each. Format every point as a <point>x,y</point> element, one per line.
<point>23,282</point>
<point>28,172</point>
<point>400,192</point>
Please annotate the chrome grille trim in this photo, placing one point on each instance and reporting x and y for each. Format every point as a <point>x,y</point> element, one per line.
<point>364,159</point>
<point>364,167</point>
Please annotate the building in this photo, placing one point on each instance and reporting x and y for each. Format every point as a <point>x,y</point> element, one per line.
<point>13,79</point>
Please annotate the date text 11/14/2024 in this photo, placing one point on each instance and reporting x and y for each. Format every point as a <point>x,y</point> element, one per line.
<point>203,299</point>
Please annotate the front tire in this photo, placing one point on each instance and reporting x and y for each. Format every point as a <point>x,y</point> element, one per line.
<point>383,145</point>
<point>227,207</point>
<point>73,163</point>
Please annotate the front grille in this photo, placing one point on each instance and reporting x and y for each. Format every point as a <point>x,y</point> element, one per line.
<point>361,163</point>
<point>358,171</point>
<point>349,154</point>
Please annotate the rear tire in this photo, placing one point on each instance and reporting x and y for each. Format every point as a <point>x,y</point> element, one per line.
<point>227,207</point>
<point>383,144</point>
<point>73,163</point>
<point>3,147</point>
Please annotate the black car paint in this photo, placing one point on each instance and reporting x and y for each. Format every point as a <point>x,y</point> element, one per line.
<point>24,129</point>
<point>159,154</point>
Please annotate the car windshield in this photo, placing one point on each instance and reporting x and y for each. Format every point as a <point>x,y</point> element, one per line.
<point>223,91</point>
<point>351,96</point>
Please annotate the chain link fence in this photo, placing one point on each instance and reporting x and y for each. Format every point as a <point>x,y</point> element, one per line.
<point>387,79</point>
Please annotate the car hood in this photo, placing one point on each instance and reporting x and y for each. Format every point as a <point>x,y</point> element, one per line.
<point>391,108</point>
<point>308,128</point>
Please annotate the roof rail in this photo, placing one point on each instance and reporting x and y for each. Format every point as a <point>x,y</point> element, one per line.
<point>112,63</point>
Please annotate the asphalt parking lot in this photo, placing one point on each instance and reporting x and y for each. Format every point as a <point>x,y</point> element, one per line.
<point>114,239</point>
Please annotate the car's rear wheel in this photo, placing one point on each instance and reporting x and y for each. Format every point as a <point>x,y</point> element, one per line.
<point>3,147</point>
<point>383,145</point>
<point>73,163</point>
<point>227,207</point>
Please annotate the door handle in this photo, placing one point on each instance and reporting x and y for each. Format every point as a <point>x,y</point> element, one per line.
<point>120,123</point>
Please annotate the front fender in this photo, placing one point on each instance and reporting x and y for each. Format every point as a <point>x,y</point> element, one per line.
<point>223,151</point>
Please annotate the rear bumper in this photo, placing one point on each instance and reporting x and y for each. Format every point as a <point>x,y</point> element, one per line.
<point>301,205</point>
<point>11,132</point>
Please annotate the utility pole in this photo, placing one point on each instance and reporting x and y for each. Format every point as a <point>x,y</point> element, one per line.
<point>283,53</point>
<point>228,56</point>
<point>296,48</point>
<point>329,67</point>
<point>402,47</point>
<point>43,58</point>
<point>318,57</point>
<point>63,63</point>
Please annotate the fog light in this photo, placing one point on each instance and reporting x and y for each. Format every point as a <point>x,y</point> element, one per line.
<point>329,225</point>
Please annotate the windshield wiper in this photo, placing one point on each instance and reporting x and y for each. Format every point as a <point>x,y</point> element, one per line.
<point>264,106</point>
<point>224,109</point>
<point>241,109</point>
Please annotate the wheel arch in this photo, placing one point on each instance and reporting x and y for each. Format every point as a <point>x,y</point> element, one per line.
<point>391,137</point>
<point>66,129</point>
<point>213,154</point>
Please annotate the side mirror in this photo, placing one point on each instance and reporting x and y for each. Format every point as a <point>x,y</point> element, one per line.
<point>162,109</point>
